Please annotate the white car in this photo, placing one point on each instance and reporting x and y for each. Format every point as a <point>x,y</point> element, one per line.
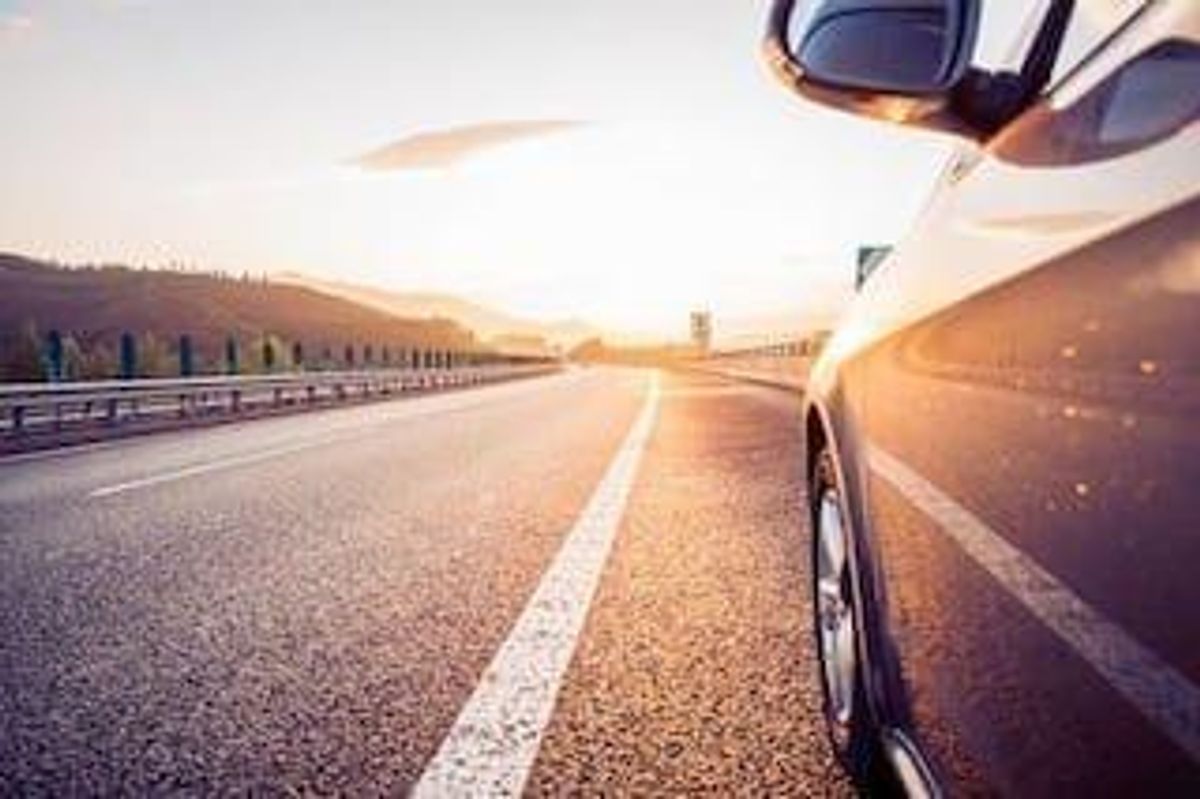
<point>1004,433</point>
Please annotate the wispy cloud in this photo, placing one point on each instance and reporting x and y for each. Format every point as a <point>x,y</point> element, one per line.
<point>443,148</point>
<point>14,22</point>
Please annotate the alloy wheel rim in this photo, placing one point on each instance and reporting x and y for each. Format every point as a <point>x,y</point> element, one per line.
<point>835,610</point>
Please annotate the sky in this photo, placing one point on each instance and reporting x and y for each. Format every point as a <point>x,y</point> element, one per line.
<point>658,168</point>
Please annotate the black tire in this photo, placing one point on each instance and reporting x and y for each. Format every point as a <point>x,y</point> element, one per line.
<point>855,737</point>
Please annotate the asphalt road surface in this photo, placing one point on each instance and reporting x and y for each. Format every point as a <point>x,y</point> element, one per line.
<point>590,582</point>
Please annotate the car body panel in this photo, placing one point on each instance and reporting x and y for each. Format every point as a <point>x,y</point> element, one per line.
<point>1089,469</point>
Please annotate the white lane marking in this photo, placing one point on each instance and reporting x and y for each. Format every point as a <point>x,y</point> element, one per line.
<point>59,452</point>
<point>208,466</point>
<point>1163,695</point>
<point>346,431</point>
<point>493,743</point>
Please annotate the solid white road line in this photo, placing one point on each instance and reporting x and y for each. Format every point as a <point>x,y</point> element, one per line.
<point>1163,695</point>
<point>493,743</point>
<point>411,409</point>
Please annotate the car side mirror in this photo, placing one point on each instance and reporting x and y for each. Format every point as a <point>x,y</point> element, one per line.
<point>906,62</point>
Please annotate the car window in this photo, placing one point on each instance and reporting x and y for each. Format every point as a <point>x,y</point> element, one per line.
<point>1149,99</point>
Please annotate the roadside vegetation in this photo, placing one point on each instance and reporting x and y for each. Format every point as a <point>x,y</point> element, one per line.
<point>107,321</point>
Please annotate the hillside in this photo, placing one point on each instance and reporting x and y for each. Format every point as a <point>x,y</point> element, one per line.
<point>487,323</point>
<point>94,306</point>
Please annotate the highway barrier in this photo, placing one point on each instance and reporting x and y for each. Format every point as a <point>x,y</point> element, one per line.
<point>32,410</point>
<point>783,365</point>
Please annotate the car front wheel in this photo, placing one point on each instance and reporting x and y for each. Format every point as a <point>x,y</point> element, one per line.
<point>839,629</point>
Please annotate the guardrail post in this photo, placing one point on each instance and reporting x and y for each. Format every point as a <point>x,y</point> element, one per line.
<point>54,357</point>
<point>231,356</point>
<point>18,418</point>
<point>128,356</point>
<point>114,410</point>
<point>268,355</point>
<point>186,360</point>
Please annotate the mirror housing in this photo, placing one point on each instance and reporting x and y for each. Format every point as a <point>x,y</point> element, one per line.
<point>906,62</point>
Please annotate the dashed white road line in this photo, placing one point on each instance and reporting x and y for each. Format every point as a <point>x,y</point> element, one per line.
<point>492,746</point>
<point>1164,696</point>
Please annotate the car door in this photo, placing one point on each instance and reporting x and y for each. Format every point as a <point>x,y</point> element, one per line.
<point>1031,455</point>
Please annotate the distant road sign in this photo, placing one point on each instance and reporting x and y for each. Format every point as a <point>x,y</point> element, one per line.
<point>869,259</point>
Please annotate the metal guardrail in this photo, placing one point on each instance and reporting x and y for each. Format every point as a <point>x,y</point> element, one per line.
<point>783,365</point>
<point>807,347</point>
<point>29,407</point>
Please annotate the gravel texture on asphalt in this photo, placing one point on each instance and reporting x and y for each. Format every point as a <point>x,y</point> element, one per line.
<point>313,621</point>
<point>695,674</point>
<point>310,623</point>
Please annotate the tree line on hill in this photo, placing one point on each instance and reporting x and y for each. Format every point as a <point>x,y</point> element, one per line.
<point>83,323</point>
<point>30,356</point>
